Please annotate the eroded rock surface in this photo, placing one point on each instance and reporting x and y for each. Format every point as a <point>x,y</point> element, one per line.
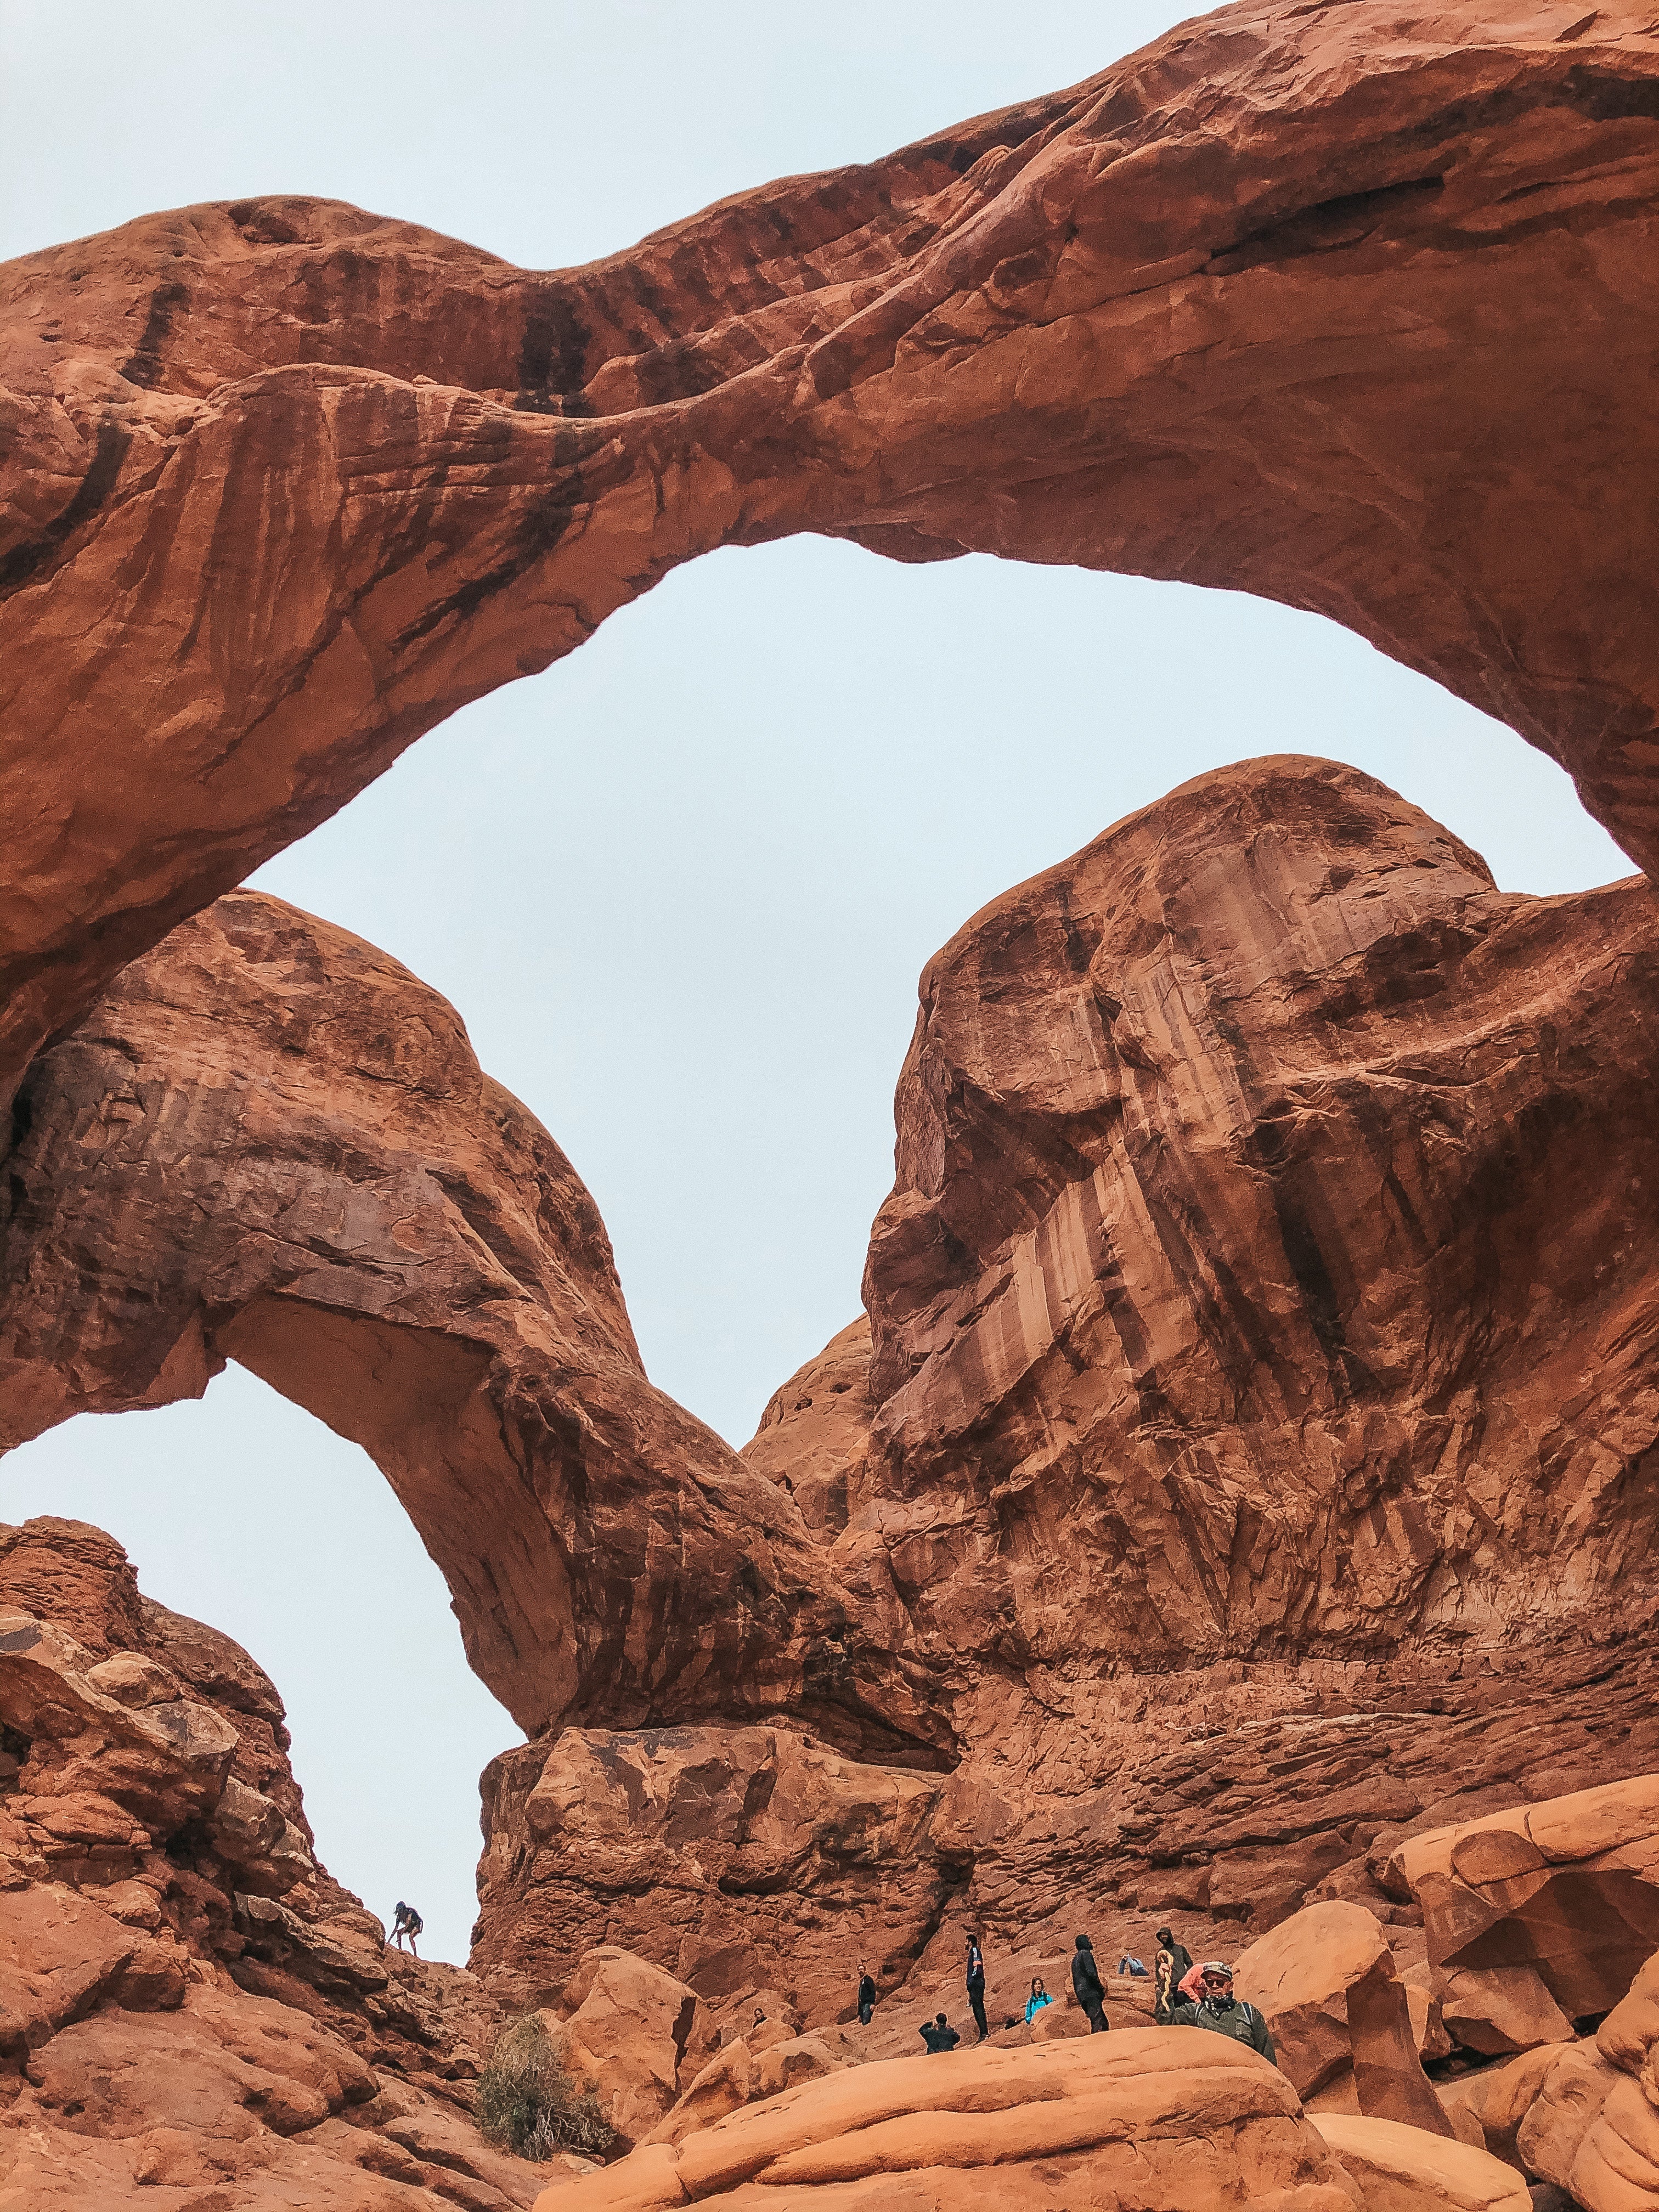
<point>1168,2117</point>
<point>270,1143</point>
<point>1260,1412</point>
<point>192,2010</point>
<point>1251,1465</point>
<point>1325,1981</point>
<point>745,1859</point>
<point>1351,307</point>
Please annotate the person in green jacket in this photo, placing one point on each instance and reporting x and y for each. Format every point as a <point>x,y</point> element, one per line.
<point>1218,2010</point>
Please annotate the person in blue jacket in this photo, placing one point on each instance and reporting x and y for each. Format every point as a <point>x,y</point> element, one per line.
<point>1038,1998</point>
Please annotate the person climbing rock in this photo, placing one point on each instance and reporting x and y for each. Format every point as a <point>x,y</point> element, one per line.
<point>406,1922</point>
<point>1219,2010</point>
<point>939,2034</point>
<point>977,1986</point>
<point>1085,1983</point>
<point>1135,1968</point>
<point>866,1997</point>
<point>1036,2001</point>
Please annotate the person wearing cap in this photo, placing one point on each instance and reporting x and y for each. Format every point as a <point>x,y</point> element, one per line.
<point>1219,2010</point>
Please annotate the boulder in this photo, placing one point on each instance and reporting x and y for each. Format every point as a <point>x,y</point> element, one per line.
<point>633,2035</point>
<point>1187,2123</point>
<point>742,2074</point>
<point>1570,2096</point>
<point>1627,2035</point>
<point>1499,2097</point>
<point>739,1859</point>
<point>1537,1916</point>
<point>1617,2166</point>
<point>1325,1981</point>
<point>1402,2169</point>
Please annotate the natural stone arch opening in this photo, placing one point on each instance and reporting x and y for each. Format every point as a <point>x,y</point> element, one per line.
<point>1219,314</point>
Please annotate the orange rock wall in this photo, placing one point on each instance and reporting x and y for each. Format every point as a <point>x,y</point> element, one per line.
<point>1350,306</point>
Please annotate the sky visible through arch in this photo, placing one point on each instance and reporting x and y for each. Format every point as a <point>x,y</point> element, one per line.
<point>681,886</point>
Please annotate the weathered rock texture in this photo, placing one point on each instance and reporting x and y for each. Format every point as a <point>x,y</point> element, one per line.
<point>1538,1917</point>
<point>1251,1462</point>
<point>269,1142</point>
<point>1351,307</point>
<point>192,2011</point>
<point>1325,1981</point>
<point>1259,1423</point>
<point>631,2034</point>
<point>1167,2118</point>
<point>1399,2169</point>
<point>741,1857</point>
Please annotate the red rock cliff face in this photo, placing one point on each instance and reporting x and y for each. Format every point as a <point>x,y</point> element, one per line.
<point>1351,307</point>
<point>1257,1436</point>
<point>1270,1262</point>
<point>191,2008</point>
<point>1254,1460</point>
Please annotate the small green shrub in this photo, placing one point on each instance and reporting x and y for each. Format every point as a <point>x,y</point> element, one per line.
<point>528,2104</point>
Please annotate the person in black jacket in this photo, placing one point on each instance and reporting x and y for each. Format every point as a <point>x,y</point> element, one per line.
<point>1085,1983</point>
<point>866,1997</point>
<point>977,1986</point>
<point>1181,1959</point>
<point>939,2034</point>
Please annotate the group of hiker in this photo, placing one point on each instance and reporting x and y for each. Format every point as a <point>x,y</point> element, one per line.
<point>1184,1995</point>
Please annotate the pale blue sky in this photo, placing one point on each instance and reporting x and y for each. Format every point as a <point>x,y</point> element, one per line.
<point>681,886</point>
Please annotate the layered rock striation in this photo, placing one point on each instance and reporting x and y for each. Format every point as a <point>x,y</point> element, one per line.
<point>1294,301</point>
<point>270,1143</point>
<point>1246,1463</point>
<point>192,2010</point>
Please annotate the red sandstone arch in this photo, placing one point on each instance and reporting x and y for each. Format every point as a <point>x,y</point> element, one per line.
<point>269,1142</point>
<point>1351,307</point>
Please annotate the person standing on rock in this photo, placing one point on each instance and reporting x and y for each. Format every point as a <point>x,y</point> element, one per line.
<point>1220,2011</point>
<point>1085,1984</point>
<point>1181,1959</point>
<point>406,1922</point>
<point>866,1997</point>
<point>977,1986</point>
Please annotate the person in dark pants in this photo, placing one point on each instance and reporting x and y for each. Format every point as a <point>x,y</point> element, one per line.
<point>1085,1984</point>
<point>977,1986</point>
<point>866,1997</point>
<point>1181,1959</point>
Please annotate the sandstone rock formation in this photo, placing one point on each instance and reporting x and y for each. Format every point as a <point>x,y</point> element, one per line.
<point>272,1143</point>
<point>1538,1917</point>
<point>1295,301</point>
<point>191,2012</point>
<point>1186,2121</point>
<point>1251,1464</point>
<point>633,2035</point>
<point>1401,2169</point>
<point>1259,1405</point>
<point>745,2072</point>
<point>739,1857</point>
<point>1324,1982</point>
